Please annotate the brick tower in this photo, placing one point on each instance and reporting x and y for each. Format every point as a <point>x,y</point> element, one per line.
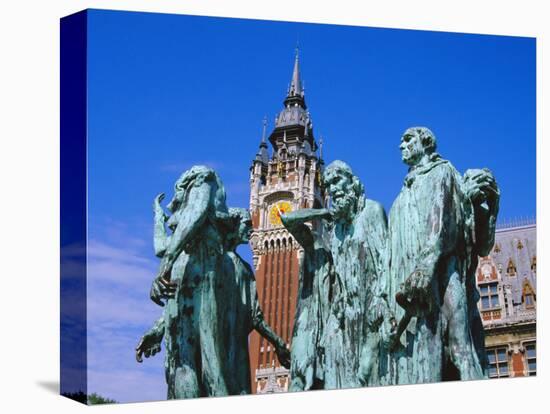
<point>289,179</point>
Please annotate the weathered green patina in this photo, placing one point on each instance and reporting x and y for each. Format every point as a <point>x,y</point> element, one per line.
<point>438,225</point>
<point>210,292</point>
<point>315,294</point>
<point>240,310</point>
<point>357,237</point>
<point>342,257</point>
<point>192,262</point>
<point>379,301</point>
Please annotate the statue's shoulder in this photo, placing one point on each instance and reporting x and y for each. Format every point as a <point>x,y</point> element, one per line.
<point>444,169</point>
<point>373,207</point>
<point>373,213</point>
<point>443,164</point>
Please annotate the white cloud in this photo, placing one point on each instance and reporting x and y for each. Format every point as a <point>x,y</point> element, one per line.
<point>119,311</point>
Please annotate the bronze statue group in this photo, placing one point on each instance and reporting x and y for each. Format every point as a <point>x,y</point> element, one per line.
<point>382,300</point>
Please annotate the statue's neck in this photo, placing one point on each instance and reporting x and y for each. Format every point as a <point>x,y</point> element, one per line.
<point>346,220</point>
<point>425,160</point>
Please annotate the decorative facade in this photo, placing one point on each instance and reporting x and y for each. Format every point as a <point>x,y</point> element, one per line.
<point>507,283</point>
<point>285,180</point>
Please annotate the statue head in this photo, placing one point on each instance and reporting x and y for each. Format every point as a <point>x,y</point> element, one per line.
<point>196,176</point>
<point>242,229</point>
<point>416,142</point>
<point>344,188</point>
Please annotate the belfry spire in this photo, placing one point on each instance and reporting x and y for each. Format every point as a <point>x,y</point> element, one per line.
<point>296,90</point>
<point>296,83</point>
<point>289,179</point>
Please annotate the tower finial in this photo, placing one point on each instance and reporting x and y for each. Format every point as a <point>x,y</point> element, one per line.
<point>321,147</point>
<point>264,129</point>
<point>296,82</point>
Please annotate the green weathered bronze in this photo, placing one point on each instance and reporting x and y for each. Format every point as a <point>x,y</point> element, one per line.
<point>438,226</point>
<point>342,257</point>
<point>357,237</point>
<point>240,310</point>
<point>208,291</point>
<point>380,301</point>
<point>315,293</point>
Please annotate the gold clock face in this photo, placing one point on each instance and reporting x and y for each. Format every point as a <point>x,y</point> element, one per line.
<point>274,217</point>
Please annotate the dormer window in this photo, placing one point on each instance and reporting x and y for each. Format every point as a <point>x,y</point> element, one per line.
<point>511,269</point>
<point>520,245</point>
<point>528,296</point>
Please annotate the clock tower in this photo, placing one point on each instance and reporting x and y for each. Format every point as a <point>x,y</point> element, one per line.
<point>285,176</point>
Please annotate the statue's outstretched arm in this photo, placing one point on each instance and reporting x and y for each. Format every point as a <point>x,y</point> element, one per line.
<point>150,342</point>
<point>295,221</point>
<point>260,325</point>
<point>191,219</point>
<point>160,241</point>
<point>258,322</point>
<point>265,330</point>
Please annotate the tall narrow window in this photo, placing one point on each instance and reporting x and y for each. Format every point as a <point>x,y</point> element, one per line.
<point>528,296</point>
<point>531,358</point>
<point>511,269</point>
<point>498,362</point>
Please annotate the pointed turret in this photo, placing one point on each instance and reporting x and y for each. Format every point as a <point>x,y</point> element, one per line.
<point>262,154</point>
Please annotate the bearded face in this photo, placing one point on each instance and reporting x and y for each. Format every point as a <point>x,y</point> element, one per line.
<point>339,188</point>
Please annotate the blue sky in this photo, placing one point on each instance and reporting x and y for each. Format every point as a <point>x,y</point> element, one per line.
<point>169,91</point>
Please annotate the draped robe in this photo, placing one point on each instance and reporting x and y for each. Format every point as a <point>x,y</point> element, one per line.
<point>431,229</point>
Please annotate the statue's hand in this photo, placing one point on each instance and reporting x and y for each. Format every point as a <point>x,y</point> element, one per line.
<point>378,312</point>
<point>162,288</point>
<point>283,354</point>
<point>157,201</point>
<point>149,345</point>
<point>480,186</point>
<point>417,288</point>
<point>388,333</point>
